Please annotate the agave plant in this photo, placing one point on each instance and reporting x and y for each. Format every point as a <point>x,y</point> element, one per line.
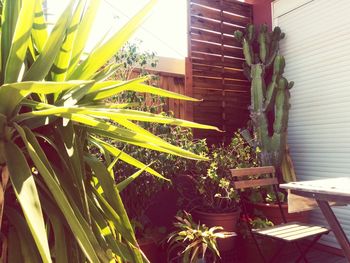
<point>196,240</point>
<point>59,202</point>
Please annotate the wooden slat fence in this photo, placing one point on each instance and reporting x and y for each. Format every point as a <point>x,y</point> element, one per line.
<point>214,66</point>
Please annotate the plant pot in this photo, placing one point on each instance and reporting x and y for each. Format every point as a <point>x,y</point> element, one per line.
<point>152,250</point>
<point>273,213</point>
<point>226,220</point>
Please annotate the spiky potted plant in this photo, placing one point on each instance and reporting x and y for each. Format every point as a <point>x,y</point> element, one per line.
<point>59,202</point>
<point>269,109</point>
<point>194,243</point>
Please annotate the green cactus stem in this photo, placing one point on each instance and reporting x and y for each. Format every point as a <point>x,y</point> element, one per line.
<point>269,108</point>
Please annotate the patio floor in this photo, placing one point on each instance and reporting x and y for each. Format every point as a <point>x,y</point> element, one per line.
<point>314,256</point>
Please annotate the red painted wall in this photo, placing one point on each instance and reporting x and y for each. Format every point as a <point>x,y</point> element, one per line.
<point>261,11</point>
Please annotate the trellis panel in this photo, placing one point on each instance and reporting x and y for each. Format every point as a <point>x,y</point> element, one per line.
<point>214,66</point>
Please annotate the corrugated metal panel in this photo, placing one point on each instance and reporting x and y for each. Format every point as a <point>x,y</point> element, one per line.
<point>318,60</point>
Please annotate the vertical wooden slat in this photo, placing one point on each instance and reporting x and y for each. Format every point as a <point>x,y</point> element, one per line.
<point>189,90</point>
<point>213,66</point>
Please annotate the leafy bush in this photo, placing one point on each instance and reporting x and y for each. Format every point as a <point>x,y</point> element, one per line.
<point>212,180</point>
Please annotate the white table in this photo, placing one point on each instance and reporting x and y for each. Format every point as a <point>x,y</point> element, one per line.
<point>325,191</point>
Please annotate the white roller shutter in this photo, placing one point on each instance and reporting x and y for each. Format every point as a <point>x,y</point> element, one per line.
<point>317,51</point>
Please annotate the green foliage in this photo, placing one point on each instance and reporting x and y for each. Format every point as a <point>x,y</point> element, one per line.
<point>57,199</point>
<point>259,223</point>
<point>131,57</point>
<point>269,109</point>
<point>146,187</point>
<point>256,222</point>
<point>272,198</point>
<point>212,181</point>
<point>194,243</point>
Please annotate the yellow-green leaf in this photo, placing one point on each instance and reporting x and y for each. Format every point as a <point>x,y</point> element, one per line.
<point>102,54</point>
<point>20,41</point>
<point>28,197</point>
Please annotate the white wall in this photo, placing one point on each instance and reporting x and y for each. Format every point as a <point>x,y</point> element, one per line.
<point>317,54</point>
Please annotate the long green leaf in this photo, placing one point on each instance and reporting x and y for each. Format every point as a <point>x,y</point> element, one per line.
<point>28,249</point>
<point>20,41</point>
<point>58,225</point>
<point>10,11</point>
<point>83,34</point>
<point>39,31</point>
<point>43,63</point>
<point>108,89</point>
<point>125,157</point>
<point>101,55</point>
<point>123,184</point>
<point>117,115</point>
<point>147,141</point>
<point>16,92</point>
<point>90,247</point>
<point>112,201</point>
<point>63,58</point>
<point>27,194</point>
<point>104,225</point>
<point>111,194</point>
<point>14,246</point>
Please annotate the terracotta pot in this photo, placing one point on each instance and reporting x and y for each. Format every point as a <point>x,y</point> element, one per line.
<point>227,220</point>
<point>152,250</point>
<point>272,212</point>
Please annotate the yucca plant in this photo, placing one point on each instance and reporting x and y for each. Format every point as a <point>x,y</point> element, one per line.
<point>59,202</point>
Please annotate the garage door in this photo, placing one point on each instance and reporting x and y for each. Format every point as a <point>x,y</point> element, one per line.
<point>317,51</point>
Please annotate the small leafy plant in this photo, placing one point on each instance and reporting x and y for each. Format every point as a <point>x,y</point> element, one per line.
<point>254,223</point>
<point>194,243</point>
<point>212,181</point>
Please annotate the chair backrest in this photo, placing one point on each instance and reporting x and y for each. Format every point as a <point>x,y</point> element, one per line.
<point>242,180</point>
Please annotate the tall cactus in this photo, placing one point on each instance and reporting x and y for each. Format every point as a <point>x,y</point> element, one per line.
<point>269,108</point>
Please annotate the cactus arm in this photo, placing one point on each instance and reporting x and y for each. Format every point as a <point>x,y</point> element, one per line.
<point>250,32</point>
<point>276,36</point>
<point>238,35</point>
<point>248,51</point>
<point>278,69</point>
<point>281,107</point>
<point>290,84</point>
<point>257,87</point>
<point>263,44</point>
<point>246,71</point>
<point>271,93</point>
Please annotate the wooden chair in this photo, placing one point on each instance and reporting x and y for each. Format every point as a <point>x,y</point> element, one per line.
<point>289,232</point>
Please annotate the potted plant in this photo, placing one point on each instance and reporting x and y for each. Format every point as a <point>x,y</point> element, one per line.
<point>264,204</point>
<point>194,243</point>
<point>213,199</point>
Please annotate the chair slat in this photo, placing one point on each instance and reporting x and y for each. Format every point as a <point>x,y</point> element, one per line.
<point>240,172</point>
<point>292,231</point>
<point>255,183</point>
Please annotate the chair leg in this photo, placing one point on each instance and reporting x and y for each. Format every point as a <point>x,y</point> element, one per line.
<point>304,252</point>
<point>279,251</point>
<point>258,247</point>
